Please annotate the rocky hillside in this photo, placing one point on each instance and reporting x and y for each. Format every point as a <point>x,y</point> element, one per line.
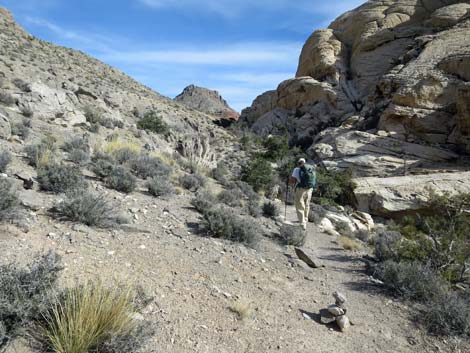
<point>206,101</point>
<point>384,90</point>
<point>62,89</point>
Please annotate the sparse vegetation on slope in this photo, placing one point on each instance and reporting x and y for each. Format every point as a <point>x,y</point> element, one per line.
<point>9,201</point>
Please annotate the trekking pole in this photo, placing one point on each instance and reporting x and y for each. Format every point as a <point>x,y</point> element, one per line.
<point>285,201</point>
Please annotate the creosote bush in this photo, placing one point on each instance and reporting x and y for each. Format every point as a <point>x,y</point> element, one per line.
<point>120,179</point>
<point>292,235</point>
<point>59,178</point>
<point>192,182</point>
<point>160,186</point>
<point>25,294</point>
<point>152,122</point>
<point>5,159</point>
<point>88,208</point>
<point>9,201</point>
<point>270,209</point>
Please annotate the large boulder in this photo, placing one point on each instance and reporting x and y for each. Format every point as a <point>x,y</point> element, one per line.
<point>395,196</point>
<point>262,104</point>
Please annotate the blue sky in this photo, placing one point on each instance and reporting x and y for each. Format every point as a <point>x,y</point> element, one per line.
<point>239,47</point>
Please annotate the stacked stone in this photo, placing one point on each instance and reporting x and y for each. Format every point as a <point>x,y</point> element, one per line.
<point>336,312</point>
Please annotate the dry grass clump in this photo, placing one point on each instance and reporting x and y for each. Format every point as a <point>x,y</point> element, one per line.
<point>112,146</point>
<point>349,244</point>
<point>242,309</point>
<point>88,317</point>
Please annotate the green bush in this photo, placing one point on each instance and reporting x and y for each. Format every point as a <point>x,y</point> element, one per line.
<point>152,122</point>
<point>203,201</point>
<point>192,182</point>
<point>221,223</point>
<point>120,179</point>
<point>59,178</point>
<point>270,209</point>
<point>160,186</point>
<point>145,166</point>
<point>5,159</point>
<point>258,173</point>
<point>334,187</point>
<point>25,294</point>
<point>85,207</point>
<point>277,147</point>
<point>9,201</point>
<point>292,235</point>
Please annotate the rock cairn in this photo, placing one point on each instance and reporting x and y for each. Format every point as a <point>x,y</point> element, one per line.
<point>336,313</point>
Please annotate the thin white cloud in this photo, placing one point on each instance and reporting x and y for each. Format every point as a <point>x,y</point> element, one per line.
<point>233,8</point>
<point>236,54</point>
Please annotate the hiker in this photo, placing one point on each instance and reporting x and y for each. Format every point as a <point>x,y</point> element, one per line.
<point>304,179</point>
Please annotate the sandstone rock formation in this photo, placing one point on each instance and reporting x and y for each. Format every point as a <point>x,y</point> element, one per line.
<point>207,101</point>
<point>385,90</point>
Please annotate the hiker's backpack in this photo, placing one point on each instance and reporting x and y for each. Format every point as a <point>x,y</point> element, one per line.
<point>308,177</point>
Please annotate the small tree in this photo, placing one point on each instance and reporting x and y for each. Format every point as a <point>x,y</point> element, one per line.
<point>258,173</point>
<point>153,123</point>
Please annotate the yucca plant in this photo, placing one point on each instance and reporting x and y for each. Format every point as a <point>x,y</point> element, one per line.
<point>86,318</point>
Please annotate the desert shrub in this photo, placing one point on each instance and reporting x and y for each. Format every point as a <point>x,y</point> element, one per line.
<point>246,189</point>
<point>22,85</point>
<point>221,173</point>
<point>192,182</point>
<point>292,235</point>
<point>145,166</point>
<point>348,243</point>
<point>27,111</point>
<point>386,243</point>
<point>76,143</point>
<point>270,209</point>
<point>124,155</point>
<point>93,318</point>
<point>152,122</point>
<point>111,123</point>
<point>25,294</point>
<point>253,208</point>
<point>79,157</point>
<point>102,164</point>
<point>21,129</point>
<point>258,173</point>
<point>334,187</point>
<point>203,200</point>
<point>41,153</point>
<point>85,207</point>
<point>92,116</point>
<point>5,159</point>
<point>59,178</point>
<point>242,309</point>
<point>9,201</point>
<point>160,186</point>
<point>410,280</point>
<point>7,99</point>
<point>223,224</point>
<point>121,179</point>
<point>115,145</point>
<point>230,198</point>
<point>448,315</point>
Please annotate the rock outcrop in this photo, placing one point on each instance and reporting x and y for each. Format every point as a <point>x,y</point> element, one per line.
<point>206,101</point>
<point>384,90</point>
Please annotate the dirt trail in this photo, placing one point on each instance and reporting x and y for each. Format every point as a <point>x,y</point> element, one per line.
<point>194,280</point>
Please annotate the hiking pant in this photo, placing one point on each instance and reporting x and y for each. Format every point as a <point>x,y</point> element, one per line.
<point>302,204</point>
